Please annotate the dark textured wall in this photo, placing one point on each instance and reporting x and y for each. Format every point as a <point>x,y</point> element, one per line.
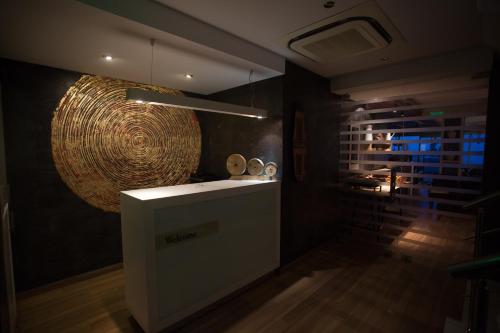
<point>309,208</point>
<point>56,234</point>
<point>223,135</point>
<point>490,242</point>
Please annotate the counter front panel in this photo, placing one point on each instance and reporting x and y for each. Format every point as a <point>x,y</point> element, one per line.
<point>187,246</point>
<point>206,248</point>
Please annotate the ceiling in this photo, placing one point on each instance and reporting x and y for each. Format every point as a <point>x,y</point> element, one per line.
<point>427,27</point>
<point>71,35</point>
<point>218,41</point>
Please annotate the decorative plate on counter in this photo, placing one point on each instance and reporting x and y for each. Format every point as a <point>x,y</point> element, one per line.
<point>271,169</point>
<point>255,167</point>
<point>236,164</point>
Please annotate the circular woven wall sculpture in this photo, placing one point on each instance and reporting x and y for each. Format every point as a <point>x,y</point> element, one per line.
<point>103,144</point>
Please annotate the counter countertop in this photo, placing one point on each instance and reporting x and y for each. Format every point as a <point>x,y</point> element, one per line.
<point>187,189</point>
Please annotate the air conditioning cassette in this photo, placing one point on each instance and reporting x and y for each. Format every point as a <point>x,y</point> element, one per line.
<point>346,38</point>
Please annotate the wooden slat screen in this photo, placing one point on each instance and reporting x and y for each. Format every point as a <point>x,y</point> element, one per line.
<point>436,148</point>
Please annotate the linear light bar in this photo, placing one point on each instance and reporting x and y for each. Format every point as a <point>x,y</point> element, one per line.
<point>152,97</point>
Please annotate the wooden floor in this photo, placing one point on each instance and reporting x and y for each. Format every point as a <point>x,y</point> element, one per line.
<point>334,288</point>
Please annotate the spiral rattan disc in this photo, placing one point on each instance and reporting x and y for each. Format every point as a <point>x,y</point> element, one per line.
<point>103,144</point>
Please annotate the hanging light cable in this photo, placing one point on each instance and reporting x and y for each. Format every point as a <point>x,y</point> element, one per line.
<point>252,92</point>
<point>252,88</point>
<point>152,97</point>
<point>152,41</point>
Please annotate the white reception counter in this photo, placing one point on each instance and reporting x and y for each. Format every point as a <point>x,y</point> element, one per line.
<point>187,246</point>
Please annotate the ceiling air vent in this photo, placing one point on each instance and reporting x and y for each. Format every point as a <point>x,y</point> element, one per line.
<point>347,38</point>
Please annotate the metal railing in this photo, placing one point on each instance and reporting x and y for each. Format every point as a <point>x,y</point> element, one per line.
<point>481,269</point>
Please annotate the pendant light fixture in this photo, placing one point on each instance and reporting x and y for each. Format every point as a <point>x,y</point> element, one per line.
<point>183,102</point>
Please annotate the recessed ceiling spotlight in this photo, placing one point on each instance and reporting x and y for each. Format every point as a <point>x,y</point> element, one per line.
<point>188,76</point>
<point>260,117</point>
<point>394,111</point>
<point>329,4</point>
<point>385,59</point>
<point>108,58</point>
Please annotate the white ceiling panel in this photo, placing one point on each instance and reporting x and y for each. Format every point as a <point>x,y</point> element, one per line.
<point>427,26</point>
<point>70,35</point>
<point>218,41</point>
